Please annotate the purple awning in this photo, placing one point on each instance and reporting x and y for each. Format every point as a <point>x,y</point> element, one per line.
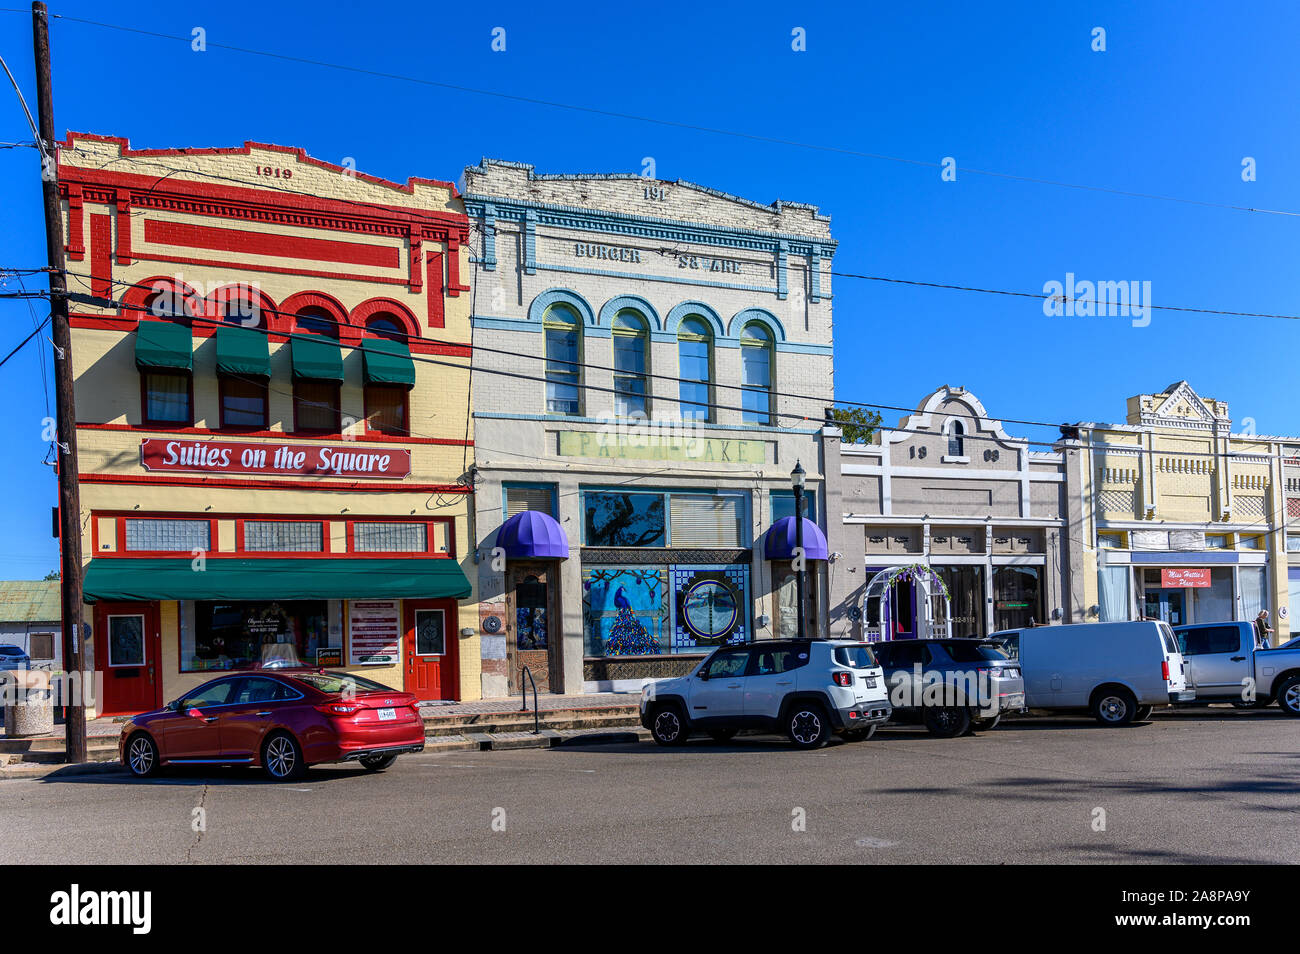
<point>532,534</point>
<point>780,543</point>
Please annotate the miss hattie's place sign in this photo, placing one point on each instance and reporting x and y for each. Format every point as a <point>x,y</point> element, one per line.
<point>294,460</point>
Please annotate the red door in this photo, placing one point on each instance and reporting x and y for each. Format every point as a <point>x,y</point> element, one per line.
<point>430,647</point>
<point>128,646</point>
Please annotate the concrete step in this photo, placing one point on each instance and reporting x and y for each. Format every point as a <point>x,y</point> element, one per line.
<point>519,722</point>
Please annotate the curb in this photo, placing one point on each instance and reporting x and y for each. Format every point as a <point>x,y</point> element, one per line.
<point>29,770</point>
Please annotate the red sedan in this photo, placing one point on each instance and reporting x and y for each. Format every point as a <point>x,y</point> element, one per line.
<point>282,721</point>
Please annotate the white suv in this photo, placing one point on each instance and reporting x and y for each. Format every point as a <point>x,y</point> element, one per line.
<point>807,689</point>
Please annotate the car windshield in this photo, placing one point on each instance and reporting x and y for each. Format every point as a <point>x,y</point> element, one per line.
<point>975,652</point>
<point>340,682</point>
<point>855,657</point>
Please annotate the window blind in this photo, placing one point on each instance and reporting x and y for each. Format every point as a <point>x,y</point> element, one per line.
<point>706,521</point>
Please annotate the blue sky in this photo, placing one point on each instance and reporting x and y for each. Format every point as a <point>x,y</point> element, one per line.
<point>1182,93</point>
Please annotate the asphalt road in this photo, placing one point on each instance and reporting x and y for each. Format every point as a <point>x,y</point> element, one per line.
<point>1201,785</point>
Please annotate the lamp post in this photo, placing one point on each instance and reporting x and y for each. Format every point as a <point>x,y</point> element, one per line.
<point>796,481</point>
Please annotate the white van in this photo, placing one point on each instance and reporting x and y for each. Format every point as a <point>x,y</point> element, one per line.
<point>1116,671</point>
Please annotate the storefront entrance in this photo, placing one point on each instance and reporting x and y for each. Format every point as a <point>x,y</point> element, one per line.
<point>1166,604</point>
<point>127,650</point>
<point>532,624</point>
<point>430,649</point>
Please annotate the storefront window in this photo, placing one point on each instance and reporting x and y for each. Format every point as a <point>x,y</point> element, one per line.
<point>624,519</point>
<point>1293,600</point>
<point>1017,600</point>
<point>390,537</point>
<point>143,534</point>
<point>1254,596</point>
<point>1113,597</point>
<point>966,598</point>
<point>274,634</point>
<point>1213,603</point>
<point>282,536</point>
<point>660,610</point>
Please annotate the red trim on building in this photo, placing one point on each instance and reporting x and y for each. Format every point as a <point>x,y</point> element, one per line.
<point>76,223</point>
<point>249,242</point>
<point>101,267</point>
<point>436,302</point>
<point>124,228</point>
<point>373,306</point>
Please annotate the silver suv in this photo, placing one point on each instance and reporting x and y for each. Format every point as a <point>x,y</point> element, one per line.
<point>956,685</point>
<point>806,689</point>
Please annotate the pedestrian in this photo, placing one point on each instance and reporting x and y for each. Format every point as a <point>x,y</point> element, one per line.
<point>1263,631</point>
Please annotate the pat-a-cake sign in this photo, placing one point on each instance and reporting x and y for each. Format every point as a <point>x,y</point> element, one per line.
<point>293,460</point>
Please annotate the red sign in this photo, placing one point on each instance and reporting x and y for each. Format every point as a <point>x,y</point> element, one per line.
<point>271,458</point>
<point>1197,578</point>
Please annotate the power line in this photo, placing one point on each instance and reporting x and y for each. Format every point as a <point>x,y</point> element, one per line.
<point>693,127</point>
<point>1025,442</point>
<point>812,399</point>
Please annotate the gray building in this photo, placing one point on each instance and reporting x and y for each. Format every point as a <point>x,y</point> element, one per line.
<point>634,340</point>
<point>30,618</point>
<point>950,490</point>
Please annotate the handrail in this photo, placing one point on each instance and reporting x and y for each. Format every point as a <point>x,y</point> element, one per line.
<point>523,691</point>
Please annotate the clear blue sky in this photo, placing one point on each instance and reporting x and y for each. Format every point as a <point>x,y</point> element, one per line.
<point>1183,92</point>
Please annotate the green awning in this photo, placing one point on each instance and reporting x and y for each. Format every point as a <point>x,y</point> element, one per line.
<point>308,579</point>
<point>387,362</point>
<point>316,358</point>
<point>243,351</point>
<point>163,345</point>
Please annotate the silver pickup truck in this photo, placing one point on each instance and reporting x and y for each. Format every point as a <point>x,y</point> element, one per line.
<point>1225,665</point>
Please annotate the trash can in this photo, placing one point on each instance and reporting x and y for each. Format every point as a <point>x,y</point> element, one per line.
<point>28,703</point>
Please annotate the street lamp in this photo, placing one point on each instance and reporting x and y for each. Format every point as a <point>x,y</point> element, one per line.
<point>796,481</point>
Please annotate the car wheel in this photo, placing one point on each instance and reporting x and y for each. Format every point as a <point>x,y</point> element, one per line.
<point>282,758</point>
<point>141,755</point>
<point>1143,713</point>
<point>860,735</point>
<point>985,724</point>
<point>807,725</point>
<point>947,722</point>
<point>668,727</point>
<point>722,735</point>
<point>1114,707</point>
<point>1288,696</point>
<point>377,763</point>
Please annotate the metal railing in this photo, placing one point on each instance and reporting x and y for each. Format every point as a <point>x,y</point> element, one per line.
<point>523,692</point>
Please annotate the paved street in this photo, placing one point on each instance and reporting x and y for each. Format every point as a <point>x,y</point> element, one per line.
<point>1195,786</point>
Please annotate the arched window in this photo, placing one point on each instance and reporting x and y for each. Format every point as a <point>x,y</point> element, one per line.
<point>563,330</point>
<point>167,301</point>
<point>956,439</point>
<point>384,325</point>
<point>240,310</point>
<point>756,374</point>
<point>315,321</point>
<point>695,368</point>
<point>631,345</point>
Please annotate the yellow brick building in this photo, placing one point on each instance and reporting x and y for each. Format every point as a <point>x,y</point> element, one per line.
<point>1182,518</point>
<point>272,389</point>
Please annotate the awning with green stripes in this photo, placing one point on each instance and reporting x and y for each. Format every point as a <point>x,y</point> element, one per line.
<point>243,351</point>
<point>163,346</point>
<point>388,362</point>
<point>130,579</point>
<point>316,358</point>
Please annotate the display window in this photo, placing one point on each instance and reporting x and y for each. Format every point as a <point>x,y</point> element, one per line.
<point>273,634</point>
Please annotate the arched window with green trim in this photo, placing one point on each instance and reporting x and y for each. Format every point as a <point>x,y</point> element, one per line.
<point>631,372</point>
<point>563,330</point>
<point>695,368</point>
<point>756,374</point>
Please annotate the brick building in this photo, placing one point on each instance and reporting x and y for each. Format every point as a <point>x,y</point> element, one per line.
<point>636,341</point>
<point>272,419</point>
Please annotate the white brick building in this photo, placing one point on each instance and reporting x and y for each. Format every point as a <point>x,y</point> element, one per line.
<point>615,320</point>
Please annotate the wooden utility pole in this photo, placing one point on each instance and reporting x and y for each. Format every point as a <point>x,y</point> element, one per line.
<point>66,439</point>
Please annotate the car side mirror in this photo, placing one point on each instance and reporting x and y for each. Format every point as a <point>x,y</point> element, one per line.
<point>704,674</point>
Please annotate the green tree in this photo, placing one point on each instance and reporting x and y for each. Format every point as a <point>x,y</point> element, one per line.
<point>52,575</point>
<point>858,424</point>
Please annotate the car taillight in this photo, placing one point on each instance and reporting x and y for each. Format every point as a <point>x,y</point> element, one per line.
<point>338,708</point>
<point>1164,670</point>
<point>842,678</point>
